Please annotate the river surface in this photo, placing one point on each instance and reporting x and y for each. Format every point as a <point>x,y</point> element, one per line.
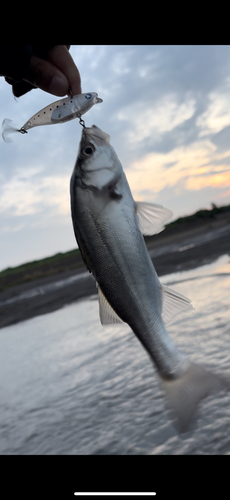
<point>70,386</point>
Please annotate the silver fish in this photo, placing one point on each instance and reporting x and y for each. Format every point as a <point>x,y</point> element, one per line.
<point>109,227</point>
<point>59,111</point>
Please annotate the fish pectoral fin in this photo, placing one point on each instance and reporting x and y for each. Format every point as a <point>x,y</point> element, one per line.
<point>151,217</point>
<point>173,303</point>
<point>106,312</point>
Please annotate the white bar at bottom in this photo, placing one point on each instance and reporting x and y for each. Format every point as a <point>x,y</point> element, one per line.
<point>114,494</point>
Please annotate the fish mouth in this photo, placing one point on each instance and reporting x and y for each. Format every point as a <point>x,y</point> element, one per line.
<point>96,133</point>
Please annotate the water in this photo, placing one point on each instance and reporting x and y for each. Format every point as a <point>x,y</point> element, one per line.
<point>44,289</point>
<point>70,386</point>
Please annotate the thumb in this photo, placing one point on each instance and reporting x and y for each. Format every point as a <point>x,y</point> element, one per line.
<point>46,76</point>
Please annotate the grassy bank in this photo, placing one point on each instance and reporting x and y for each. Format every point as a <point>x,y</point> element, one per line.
<point>62,262</point>
<point>36,269</point>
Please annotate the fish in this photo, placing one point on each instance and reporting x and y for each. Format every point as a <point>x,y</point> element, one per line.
<point>59,111</point>
<point>109,227</point>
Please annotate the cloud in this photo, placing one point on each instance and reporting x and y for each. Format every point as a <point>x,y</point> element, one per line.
<point>217,115</point>
<point>222,180</point>
<point>120,62</point>
<point>190,169</point>
<point>25,196</point>
<point>157,118</point>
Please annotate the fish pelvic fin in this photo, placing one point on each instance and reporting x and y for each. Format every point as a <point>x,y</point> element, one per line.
<point>184,393</point>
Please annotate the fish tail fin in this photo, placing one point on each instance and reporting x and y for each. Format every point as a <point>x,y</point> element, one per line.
<point>184,393</point>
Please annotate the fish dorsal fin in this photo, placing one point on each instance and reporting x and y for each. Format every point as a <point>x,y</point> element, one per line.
<point>106,312</point>
<point>174,303</point>
<point>151,217</point>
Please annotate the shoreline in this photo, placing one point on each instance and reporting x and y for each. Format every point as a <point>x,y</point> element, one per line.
<point>182,250</point>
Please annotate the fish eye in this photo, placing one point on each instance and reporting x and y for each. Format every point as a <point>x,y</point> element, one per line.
<point>88,150</point>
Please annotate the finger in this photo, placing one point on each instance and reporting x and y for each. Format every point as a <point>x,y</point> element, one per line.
<point>46,76</point>
<point>60,57</point>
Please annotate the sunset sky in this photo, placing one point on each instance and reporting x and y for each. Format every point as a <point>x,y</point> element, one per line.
<point>167,110</point>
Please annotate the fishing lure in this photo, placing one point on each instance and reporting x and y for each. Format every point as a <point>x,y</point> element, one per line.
<point>57,112</point>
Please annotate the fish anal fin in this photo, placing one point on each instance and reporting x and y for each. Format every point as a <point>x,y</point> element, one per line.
<point>151,217</point>
<point>173,304</point>
<point>106,312</point>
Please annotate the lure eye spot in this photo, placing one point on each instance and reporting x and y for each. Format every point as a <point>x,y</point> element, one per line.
<point>88,96</point>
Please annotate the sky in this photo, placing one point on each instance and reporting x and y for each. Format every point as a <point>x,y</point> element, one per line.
<point>167,111</point>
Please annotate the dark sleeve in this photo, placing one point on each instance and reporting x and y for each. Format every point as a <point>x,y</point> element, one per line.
<point>14,61</point>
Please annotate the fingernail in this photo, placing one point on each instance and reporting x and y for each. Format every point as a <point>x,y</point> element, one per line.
<point>58,86</point>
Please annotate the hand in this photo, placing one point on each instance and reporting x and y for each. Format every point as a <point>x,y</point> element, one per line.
<point>57,75</point>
